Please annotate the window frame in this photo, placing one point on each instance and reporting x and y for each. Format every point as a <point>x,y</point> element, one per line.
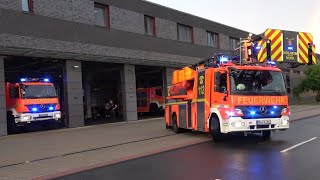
<point>30,6</point>
<point>217,43</point>
<point>237,40</point>
<point>106,11</point>
<point>191,33</point>
<point>153,25</point>
<point>14,92</point>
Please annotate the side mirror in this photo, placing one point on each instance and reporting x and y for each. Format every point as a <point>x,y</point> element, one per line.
<point>224,90</point>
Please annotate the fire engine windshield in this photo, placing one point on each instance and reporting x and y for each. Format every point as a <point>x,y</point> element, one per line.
<point>257,82</point>
<point>38,91</point>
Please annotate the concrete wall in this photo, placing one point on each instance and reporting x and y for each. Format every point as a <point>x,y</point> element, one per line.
<point>200,36</point>
<point>72,10</point>
<point>125,20</point>
<point>224,42</point>
<point>129,96</point>
<point>11,4</point>
<point>166,29</point>
<point>73,94</point>
<point>3,112</point>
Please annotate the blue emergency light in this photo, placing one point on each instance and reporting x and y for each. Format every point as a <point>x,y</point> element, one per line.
<point>35,80</point>
<point>50,108</point>
<point>290,48</point>
<point>34,109</point>
<point>223,59</point>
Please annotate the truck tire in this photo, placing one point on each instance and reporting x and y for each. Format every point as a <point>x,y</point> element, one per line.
<point>215,129</point>
<point>175,127</point>
<point>154,109</point>
<point>11,125</point>
<point>266,134</point>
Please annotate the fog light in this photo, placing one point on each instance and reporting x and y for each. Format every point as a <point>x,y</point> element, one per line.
<point>57,116</point>
<point>284,122</point>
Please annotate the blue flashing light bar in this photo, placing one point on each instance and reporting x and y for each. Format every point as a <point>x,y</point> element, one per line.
<point>34,109</point>
<point>252,112</point>
<point>258,47</point>
<point>51,108</point>
<point>272,112</point>
<point>290,48</point>
<point>275,107</point>
<point>35,80</point>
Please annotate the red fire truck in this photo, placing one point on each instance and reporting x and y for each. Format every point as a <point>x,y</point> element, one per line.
<point>150,100</point>
<point>30,100</point>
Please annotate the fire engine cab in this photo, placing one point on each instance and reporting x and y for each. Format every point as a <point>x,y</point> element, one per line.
<point>150,100</point>
<point>245,93</point>
<point>30,100</point>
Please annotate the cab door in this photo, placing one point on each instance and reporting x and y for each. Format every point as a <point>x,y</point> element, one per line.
<point>220,89</point>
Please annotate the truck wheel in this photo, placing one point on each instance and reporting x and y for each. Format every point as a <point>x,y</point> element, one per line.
<point>154,110</point>
<point>175,127</point>
<point>11,126</point>
<point>266,134</point>
<point>215,129</point>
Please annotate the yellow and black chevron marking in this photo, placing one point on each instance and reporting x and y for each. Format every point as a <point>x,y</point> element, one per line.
<point>262,54</point>
<point>276,43</point>
<point>304,39</point>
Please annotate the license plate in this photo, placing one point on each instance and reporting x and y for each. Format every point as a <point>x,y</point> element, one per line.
<point>263,122</point>
<point>43,115</point>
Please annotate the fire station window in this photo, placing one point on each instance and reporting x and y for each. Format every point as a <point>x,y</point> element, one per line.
<point>149,25</point>
<point>212,39</point>
<point>27,6</point>
<point>14,92</point>
<point>101,14</point>
<point>185,33</point>
<point>233,43</point>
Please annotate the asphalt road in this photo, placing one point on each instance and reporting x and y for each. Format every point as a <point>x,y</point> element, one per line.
<point>237,157</point>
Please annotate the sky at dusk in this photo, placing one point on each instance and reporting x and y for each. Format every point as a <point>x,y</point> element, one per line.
<point>256,15</point>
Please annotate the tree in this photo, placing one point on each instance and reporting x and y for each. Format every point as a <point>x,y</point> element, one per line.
<point>310,83</point>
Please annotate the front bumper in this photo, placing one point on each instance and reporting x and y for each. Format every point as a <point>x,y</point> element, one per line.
<point>237,124</point>
<point>30,117</point>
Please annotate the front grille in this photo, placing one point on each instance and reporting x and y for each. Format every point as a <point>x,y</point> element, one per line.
<point>267,113</point>
<point>41,108</point>
<point>262,126</point>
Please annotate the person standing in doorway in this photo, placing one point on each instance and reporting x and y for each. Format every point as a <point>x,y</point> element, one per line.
<point>113,109</point>
<point>107,109</point>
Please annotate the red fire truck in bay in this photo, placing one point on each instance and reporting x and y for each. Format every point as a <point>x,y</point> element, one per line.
<point>30,100</point>
<point>244,93</point>
<point>150,100</point>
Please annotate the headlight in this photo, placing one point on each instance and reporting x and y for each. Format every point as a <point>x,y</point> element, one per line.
<point>26,117</point>
<point>238,124</point>
<point>284,122</point>
<point>57,116</point>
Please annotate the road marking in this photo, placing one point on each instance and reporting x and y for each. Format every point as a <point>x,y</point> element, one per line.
<point>292,147</point>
